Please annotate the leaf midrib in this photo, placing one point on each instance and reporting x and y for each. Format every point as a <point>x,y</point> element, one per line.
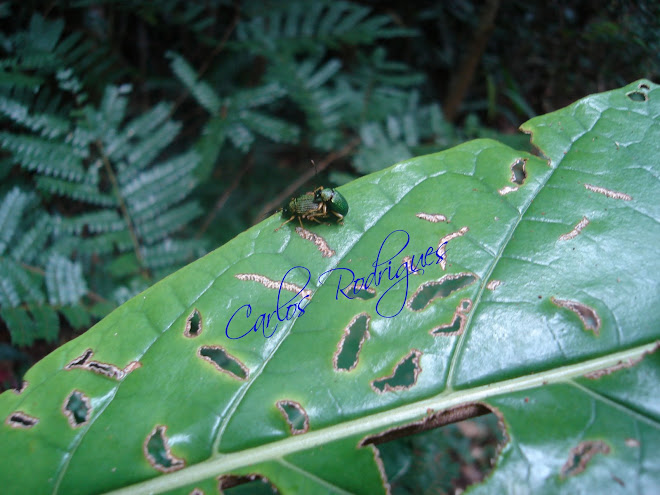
<point>223,463</point>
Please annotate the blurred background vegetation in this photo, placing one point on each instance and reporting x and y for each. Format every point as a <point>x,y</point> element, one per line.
<point>136,136</point>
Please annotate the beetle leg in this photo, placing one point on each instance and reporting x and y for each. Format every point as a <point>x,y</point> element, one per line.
<point>284,223</point>
<point>338,215</point>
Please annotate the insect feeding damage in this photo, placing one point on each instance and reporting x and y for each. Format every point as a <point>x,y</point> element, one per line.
<point>158,453</point>
<point>223,361</point>
<point>576,230</point>
<point>227,481</point>
<point>608,192</point>
<point>403,377</point>
<point>432,217</point>
<point>319,241</point>
<point>295,416</point>
<point>589,317</point>
<point>430,421</point>
<point>581,455</point>
<point>439,289</point>
<point>77,408</point>
<point>194,324</point>
<point>518,176</point>
<point>19,419</point>
<point>445,240</point>
<point>348,350</point>
<point>457,325</point>
<point>109,370</point>
<point>272,284</point>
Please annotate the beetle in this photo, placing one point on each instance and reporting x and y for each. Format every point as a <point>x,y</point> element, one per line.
<point>304,208</point>
<point>333,202</point>
<point>315,206</point>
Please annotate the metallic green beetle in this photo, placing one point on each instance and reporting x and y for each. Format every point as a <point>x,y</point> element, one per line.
<point>315,206</point>
<point>333,202</point>
<point>304,208</point>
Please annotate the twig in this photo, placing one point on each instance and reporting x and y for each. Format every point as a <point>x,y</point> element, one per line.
<point>462,79</point>
<point>225,196</point>
<point>304,177</point>
<point>124,210</point>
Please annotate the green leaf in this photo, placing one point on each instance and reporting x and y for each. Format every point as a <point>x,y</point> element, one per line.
<point>537,298</point>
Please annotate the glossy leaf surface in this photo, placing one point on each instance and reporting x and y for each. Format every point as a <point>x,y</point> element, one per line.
<point>536,274</point>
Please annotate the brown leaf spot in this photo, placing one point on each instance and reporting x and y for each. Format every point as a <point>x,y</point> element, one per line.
<point>493,284</point>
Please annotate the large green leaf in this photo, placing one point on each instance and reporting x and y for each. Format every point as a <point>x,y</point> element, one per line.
<point>541,310</point>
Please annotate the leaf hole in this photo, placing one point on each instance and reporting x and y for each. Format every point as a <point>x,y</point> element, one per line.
<point>295,416</point>
<point>404,375</point>
<point>580,456</point>
<point>193,324</point>
<point>348,349</point>
<point>589,317</point>
<point>362,293</point>
<point>259,485</point>
<point>637,96</point>
<point>223,361</point>
<point>518,172</point>
<point>439,289</point>
<point>108,370</point>
<point>19,419</point>
<point>644,86</point>
<point>158,453</point>
<point>416,455</point>
<point>77,408</point>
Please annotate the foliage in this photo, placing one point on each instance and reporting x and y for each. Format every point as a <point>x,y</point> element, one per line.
<point>502,284</point>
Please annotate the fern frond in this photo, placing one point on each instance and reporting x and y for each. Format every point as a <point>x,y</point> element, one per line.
<point>47,157</point>
<point>172,220</point>
<point>256,97</point>
<point>9,297</point>
<point>159,176</point>
<point>95,222</point>
<point>76,315</point>
<point>200,90</point>
<point>81,192</point>
<point>275,129</point>
<point>45,124</point>
<point>30,244</point>
<point>27,285</point>
<point>171,252</point>
<point>11,211</point>
<point>46,322</point>
<point>64,281</point>
<point>302,26</point>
